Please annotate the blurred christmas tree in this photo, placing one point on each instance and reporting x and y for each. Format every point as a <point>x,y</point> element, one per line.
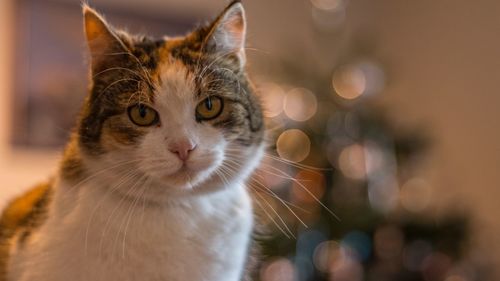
<point>343,196</point>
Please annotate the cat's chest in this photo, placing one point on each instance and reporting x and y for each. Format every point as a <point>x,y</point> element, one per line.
<point>205,239</point>
<point>185,244</point>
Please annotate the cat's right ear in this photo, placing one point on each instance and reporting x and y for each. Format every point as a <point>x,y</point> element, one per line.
<point>102,41</point>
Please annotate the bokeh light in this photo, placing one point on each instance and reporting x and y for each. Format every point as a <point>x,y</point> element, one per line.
<point>388,242</point>
<point>349,82</point>
<point>383,193</point>
<point>415,254</point>
<point>327,255</point>
<point>374,76</point>
<point>351,126</point>
<point>275,126</point>
<point>279,269</point>
<point>272,96</point>
<point>267,174</point>
<point>304,265</point>
<point>359,243</point>
<point>374,158</point>
<point>436,266</point>
<point>347,269</point>
<point>300,104</point>
<point>455,278</point>
<point>362,78</point>
<point>352,161</point>
<point>264,206</point>
<point>293,145</point>
<point>327,4</point>
<point>313,182</point>
<point>416,195</point>
<point>328,20</point>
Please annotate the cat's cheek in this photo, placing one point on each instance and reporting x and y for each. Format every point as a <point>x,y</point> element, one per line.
<point>205,169</point>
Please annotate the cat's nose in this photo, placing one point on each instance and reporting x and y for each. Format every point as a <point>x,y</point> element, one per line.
<point>182,148</point>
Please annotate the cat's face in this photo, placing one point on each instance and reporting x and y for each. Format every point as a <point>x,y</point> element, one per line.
<point>177,114</point>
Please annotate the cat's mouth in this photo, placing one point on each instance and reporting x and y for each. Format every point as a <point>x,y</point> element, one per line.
<point>185,170</point>
<point>185,174</point>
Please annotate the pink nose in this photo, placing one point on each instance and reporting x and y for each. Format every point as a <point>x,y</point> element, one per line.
<point>182,148</point>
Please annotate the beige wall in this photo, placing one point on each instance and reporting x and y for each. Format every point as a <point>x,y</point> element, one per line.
<point>19,169</point>
<point>5,81</point>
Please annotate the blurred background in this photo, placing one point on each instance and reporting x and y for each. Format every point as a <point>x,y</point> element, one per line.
<point>385,152</point>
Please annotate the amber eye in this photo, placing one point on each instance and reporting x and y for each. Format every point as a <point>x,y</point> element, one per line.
<point>143,115</point>
<point>209,108</point>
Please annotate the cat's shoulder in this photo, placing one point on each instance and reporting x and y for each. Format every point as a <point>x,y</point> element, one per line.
<point>21,217</point>
<point>26,210</point>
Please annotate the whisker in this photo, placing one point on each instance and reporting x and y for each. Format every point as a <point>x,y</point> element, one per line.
<point>131,213</point>
<point>125,178</point>
<point>118,165</point>
<point>213,62</point>
<point>116,82</point>
<point>282,201</point>
<point>272,219</point>
<point>231,170</point>
<point>103,234</point>
<point>118,68</point>
<point>148,185</point>
<point>277,214</point>
<point>286,176</point>
<point>297,165</point>
<point>275,195</point>
<point>292,205</point>
<point>222,177</point>
<point>147,75</point>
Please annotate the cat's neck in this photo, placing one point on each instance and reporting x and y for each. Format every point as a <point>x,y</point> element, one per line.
<point>98,201</point>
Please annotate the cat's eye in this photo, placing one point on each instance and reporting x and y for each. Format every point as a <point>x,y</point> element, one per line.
<point>209,108</point>
<point>143,115</point>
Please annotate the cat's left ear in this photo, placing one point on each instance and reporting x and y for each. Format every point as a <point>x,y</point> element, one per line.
<point>227,35</point>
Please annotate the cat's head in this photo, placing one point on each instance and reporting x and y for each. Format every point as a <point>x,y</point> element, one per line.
<point>178,113</point>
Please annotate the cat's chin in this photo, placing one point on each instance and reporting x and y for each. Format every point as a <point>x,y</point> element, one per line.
<point>185,183</point>
<point>182,178</point>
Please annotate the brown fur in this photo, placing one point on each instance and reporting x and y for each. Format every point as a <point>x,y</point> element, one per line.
<point>20,218</point>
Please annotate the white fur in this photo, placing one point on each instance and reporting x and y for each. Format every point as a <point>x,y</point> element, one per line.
<point>200,238</point>
<point>170,228</point>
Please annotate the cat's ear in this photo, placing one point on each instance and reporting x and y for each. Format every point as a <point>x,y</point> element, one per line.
<point>228,31</point>
<point>102,41</point>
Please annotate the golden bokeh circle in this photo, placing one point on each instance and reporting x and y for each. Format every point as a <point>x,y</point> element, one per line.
<point>300,104</point>
<point>293,145</point>
<point>349,82</point>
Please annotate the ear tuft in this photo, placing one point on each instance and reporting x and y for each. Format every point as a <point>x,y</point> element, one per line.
<point>229,31</point>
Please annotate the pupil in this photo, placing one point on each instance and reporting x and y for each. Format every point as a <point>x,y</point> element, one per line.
<point>142,111</point>
<point>208,103</point>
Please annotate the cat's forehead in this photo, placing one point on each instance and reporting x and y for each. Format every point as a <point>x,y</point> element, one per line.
<point>183,65</point>
<point>175,81</point>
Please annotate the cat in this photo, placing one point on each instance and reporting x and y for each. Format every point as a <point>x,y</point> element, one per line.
<point>152,181</point>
